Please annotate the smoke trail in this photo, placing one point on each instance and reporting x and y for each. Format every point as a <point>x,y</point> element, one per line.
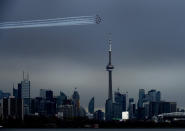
<point>68,21</point>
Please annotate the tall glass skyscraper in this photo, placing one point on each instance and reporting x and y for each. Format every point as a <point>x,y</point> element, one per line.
<point>76,103</point>
<point>141,98</point>
<point>121,100</point>
<point>91,106</point>
<point>25,94</point>
<point>61,99</point>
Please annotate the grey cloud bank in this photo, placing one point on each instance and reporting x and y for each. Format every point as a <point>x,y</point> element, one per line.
<point>148,47</point>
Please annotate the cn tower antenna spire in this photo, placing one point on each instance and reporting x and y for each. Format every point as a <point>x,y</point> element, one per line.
<point>110,45</point>
<point>110,42</point>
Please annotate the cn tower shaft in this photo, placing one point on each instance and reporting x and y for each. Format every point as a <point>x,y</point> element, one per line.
<point>109,68</point>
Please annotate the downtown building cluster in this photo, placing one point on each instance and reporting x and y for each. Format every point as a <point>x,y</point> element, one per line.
<point>20,104</point>
<point>148,106</point>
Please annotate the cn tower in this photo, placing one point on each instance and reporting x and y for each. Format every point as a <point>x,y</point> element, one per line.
<point>109,68</point>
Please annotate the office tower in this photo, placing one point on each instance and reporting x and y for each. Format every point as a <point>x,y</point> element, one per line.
<point>91,106</point>
<point>119,105</point>
<point>4,94</point>
<point>131,100</point>
<point>42,106</point>
<point>76,98</point>
<point>38,106</point>
<point>156,108</point>
<point>61,99</point>
<point>158,96</point>
<point>82,112</point>
<point>152,95</point>
<point>50,107</point>
<point>15,108</point>
<point>141,98</point>
<point>121,100</point>
<point>146,109</point>
<point>49,95</point>
<point>173,106</point>
<point>131,108</point>
<point>20,109</point>
<point>76,103</point>
<point>108,110</point>
<point>99,115</point>
<point>25,94</point>
<point>1,94</point>
<point>116,111</point>
<point>12,107</point>
<point>4,108</point>
<point>15,92</point>
<point>67,111</point>
<point>109,101</point>
<point>43,93</point>
<point>19,94</point>
<point>46,94</point>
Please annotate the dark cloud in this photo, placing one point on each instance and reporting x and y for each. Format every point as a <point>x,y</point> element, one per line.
<point>148,47</point>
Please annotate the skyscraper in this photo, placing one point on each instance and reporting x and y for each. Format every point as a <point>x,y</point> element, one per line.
<point>43,93</point>
<point>25,94</point>
<point>131,108</point>
<point>61,99</point>
<point>49,95</point>
<point>144,103</point>
<point>76,98</point>
<point>99,115</point>
<point>108,110</point>
<point>91,106</point>
<point>15,92</point>
<point>152,95</point>
<point>121,100</point>
<point>19,91</point>
<point>141,98</point>
<point>76,103</point>
<point>4,94</point>
<point>158,96</point>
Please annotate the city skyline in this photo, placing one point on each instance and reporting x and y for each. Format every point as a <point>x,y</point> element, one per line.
<point>63,107</point>
<point>148,43</point>
<point>118,107</point>
<point>20,91</point>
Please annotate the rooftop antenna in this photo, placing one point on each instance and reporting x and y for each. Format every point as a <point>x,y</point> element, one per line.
<point>23,74</point>
<point>27,75</point>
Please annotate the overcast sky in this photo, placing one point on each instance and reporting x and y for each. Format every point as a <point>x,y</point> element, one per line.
<point>148,38</point>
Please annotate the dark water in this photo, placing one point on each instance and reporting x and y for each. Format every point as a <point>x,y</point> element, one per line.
<point>92,129</point>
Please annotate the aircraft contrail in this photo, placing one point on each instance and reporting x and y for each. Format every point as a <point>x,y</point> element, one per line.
<point>68,21</point>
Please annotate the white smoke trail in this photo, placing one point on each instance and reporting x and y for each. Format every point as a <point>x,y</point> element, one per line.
<point>68,21</point>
